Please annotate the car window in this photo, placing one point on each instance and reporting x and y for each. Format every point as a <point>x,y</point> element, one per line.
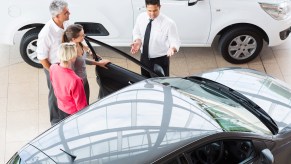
<point>177,160</point>
<point>269,93</point>
<point>218,152</point>
<point>226,151</point>
<point>229,114</point>
<point>121,72</point>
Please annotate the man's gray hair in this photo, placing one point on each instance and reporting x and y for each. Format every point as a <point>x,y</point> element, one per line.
<point>57,6</point>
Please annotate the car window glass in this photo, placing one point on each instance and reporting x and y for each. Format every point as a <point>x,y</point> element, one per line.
<point>177,160</point>
<point>229,114</point>
<point>259,88</point>
<point>226,151</point>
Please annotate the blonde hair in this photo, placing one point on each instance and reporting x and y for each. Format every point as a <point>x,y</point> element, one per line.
<point>67,51</point>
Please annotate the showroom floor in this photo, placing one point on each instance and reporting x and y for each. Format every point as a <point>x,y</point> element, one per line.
<point>23,90</point>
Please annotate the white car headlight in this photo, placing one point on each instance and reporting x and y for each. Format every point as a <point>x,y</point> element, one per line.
<point>278,11</point>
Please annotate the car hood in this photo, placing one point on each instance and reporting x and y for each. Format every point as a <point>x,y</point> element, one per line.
<point>271,94</point>
<point>137,124</point>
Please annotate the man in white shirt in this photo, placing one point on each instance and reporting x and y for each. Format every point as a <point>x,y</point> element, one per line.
<point>49,39</point>
<point>157,42</point>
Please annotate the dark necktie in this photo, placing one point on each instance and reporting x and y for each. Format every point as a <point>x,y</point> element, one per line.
<point>145,48</point>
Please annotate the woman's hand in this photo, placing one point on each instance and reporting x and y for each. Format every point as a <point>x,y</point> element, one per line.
<point>103,63</point>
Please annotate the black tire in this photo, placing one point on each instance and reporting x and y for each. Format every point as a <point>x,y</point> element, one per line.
<point>240,45</point>
<point>28,46</point>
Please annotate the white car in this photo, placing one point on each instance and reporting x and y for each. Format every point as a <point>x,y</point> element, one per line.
<point>241,25</point>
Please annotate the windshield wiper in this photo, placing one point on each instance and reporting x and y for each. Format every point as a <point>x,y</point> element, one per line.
<point>239,98</point>
<point>258,111</point>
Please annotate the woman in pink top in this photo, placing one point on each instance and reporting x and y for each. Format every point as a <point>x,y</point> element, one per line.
<point>68,87</point>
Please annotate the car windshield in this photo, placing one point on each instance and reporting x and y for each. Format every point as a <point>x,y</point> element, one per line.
<point>230,115</point>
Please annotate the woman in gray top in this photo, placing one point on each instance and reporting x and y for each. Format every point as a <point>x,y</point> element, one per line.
<point>75,33</point>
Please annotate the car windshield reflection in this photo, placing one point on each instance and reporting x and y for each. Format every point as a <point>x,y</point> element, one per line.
<point>270,94</point>
<point>230,115</point>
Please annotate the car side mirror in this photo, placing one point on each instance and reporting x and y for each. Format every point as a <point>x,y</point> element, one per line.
<point>159,70</point>
<point>266,157</point>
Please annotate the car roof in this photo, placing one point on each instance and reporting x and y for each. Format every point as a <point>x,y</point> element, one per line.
<point>137,124</point>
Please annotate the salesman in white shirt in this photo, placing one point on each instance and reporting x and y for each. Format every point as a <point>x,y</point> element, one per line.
<point>49,39</point>
<point>157,37</point>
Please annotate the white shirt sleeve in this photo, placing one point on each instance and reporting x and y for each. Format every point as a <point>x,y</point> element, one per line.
<point>43,48</point>
<point>174,38</point>
<point>136,30</point>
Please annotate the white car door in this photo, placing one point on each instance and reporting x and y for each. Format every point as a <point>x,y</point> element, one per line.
<point>193,22</point>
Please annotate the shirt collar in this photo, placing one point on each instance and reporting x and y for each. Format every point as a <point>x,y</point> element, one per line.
<point>148,18</point>
<point>55,26</point>
<point>156,19</point>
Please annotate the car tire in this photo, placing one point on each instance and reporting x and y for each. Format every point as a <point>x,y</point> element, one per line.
<point>28,46</point>
<point>240,45</point>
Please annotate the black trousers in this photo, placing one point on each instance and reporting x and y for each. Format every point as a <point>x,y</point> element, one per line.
<point>163,61</point>
<point>87,89</point>
<point>63,115</point>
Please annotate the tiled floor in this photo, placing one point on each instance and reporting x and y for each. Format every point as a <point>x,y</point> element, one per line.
<point>23,90</point>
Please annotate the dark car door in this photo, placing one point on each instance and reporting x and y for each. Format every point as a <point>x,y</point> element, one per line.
<point>115,77</point>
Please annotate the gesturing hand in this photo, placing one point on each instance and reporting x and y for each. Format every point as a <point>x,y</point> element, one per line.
<point>170,52</point>
<point>135,46</point>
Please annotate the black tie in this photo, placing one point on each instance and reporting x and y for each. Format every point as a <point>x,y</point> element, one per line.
<point>146,40</point>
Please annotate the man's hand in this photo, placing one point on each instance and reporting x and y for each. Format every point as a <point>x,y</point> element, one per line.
<point>171,51</point>
<point>135,46</point>
<point>46,64</point>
